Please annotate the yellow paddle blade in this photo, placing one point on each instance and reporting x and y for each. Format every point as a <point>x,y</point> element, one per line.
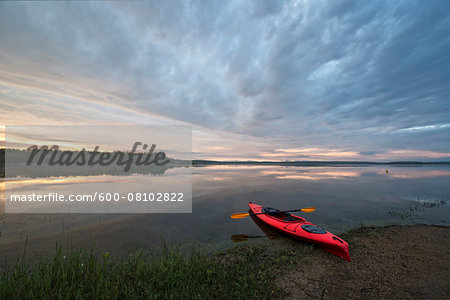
<point>239,215</point>
<point>308,209</point>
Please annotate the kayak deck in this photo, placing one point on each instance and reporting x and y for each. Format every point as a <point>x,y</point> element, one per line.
<point>300,228</point>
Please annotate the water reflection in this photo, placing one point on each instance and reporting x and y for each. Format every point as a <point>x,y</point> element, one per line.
<point>345,198</point>
<point>20,183</point>
<point>268,231</point>
<point>413,174</point>
<point>312,174</point>
<point>325,173</point>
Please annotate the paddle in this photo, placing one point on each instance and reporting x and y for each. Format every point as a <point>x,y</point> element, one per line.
<point>244,237</point>
<point>243,215</point>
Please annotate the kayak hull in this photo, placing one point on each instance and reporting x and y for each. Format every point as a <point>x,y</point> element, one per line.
<point>299,228</point>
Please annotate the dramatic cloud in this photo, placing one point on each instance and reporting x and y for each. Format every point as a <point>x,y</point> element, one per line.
<point>350,79</point>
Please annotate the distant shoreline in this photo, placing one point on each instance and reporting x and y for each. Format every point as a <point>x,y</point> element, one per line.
<point>318,163</point>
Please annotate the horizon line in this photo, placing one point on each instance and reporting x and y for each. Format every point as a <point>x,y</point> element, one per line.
<point>316,162</point>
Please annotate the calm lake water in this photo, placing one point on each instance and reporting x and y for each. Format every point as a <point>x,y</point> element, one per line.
<point>345,198</point>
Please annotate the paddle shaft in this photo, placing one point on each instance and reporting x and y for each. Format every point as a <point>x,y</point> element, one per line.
<point>281,211</point>
<point>243,215</point>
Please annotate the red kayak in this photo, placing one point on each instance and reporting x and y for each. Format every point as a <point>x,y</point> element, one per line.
<point>298,227</point>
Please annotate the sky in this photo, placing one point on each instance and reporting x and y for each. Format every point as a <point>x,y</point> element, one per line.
<point>256,80</point>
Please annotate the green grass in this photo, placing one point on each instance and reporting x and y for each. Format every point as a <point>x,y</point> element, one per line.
<point>68,274</point>
<point>246,271</point>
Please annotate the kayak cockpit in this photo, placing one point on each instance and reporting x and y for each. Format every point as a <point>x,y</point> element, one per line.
<point>281,216</point>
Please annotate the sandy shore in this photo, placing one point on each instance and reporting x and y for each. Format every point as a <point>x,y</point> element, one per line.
<point>395,262</point>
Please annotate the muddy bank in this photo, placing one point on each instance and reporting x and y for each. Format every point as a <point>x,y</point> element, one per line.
<point>395,262</point>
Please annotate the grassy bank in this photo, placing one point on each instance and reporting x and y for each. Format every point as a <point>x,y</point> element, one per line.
<point>387,262</point>
<point>82,275</point>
